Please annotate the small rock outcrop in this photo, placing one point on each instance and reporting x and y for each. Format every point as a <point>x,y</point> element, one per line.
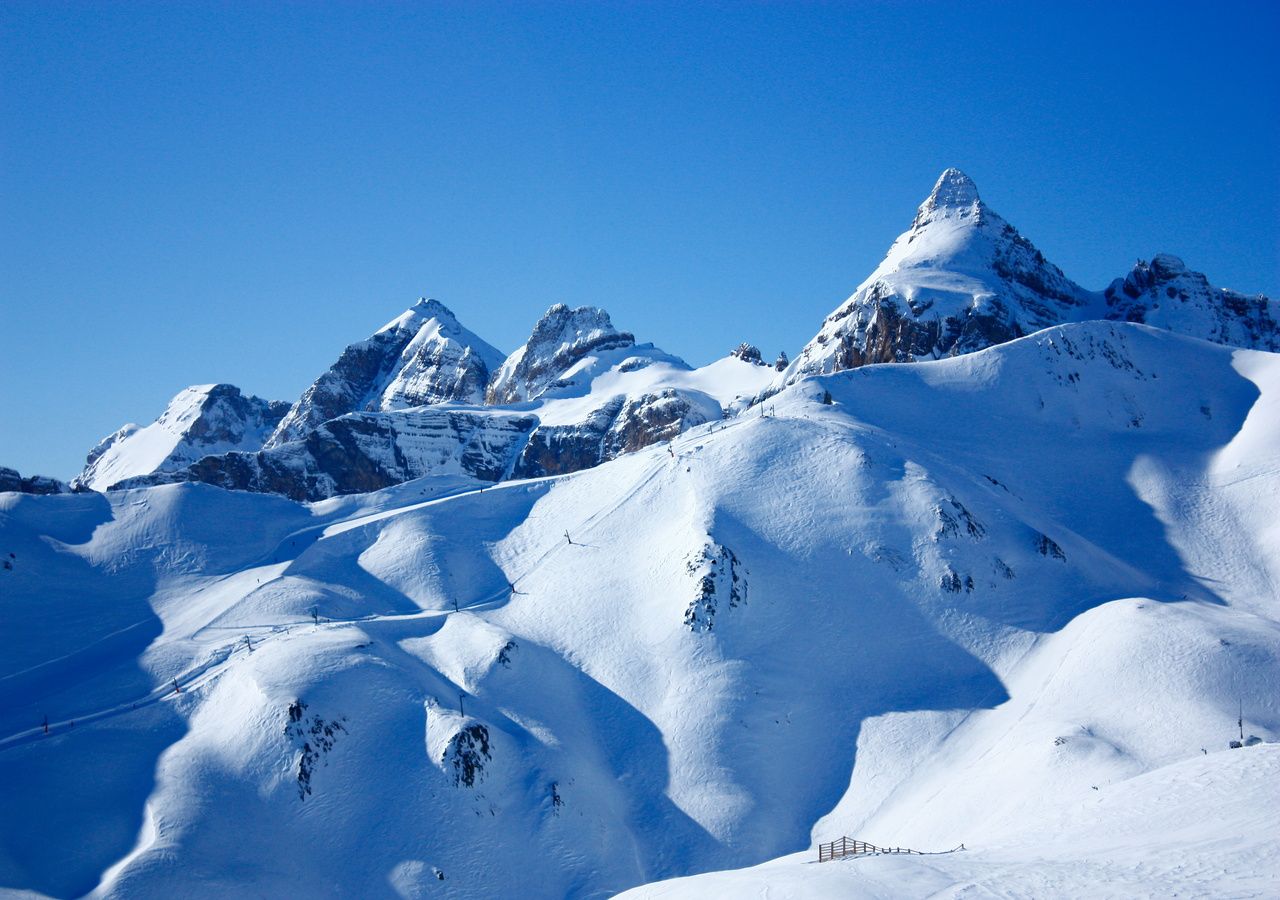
<point>11,480</point>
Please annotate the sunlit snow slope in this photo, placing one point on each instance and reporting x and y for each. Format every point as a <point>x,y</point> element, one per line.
<point>942,608</point>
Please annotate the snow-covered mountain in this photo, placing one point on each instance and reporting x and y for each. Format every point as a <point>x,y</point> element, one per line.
<point>967,600</point>
<point>609,402</point>
<point>201,420</point>
<point>589,619</point>
<point>577,394</point>
<point>962,279</point>
<point>560,340</point>
<point>424,395</point>
<point>423,356</point>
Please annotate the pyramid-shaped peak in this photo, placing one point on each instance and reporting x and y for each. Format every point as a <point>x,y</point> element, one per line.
<point>954,189</point>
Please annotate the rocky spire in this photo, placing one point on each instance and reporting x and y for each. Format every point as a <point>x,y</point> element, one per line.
<point>561,338</point>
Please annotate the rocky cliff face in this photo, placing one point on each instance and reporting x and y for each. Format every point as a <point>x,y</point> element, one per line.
<point>1166,294</point>
<point>362,452</point>
<point>11,480</point>
<point>561,339</point>
<point>204,419</point>
<point>960,279</point>
<point>406,403</point>
<point>622,425</point>
<point>422,357</point>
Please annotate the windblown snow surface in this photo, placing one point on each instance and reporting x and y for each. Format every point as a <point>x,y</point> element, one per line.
<point>1013,599</point>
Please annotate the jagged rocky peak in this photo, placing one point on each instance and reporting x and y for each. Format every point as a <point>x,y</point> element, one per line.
<point>200,420</point>
<point>421,357</point>
<point>1166,294</point>
<point>560,339</point>
<point>748,353</point>
<point>442,362</point>
<point>954,194</point>
<point>960,279</point>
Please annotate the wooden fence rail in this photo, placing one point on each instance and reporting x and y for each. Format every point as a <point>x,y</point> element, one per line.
<point>847,846</point>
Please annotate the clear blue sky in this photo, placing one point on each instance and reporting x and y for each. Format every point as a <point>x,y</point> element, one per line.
<point>232,192</point>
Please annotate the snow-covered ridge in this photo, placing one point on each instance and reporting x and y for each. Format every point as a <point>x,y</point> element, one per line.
<point>406,403</point>
<point>1166,294</point>
<point>609,402</point>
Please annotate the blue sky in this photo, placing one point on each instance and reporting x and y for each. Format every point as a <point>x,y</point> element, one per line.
<point>232,192</point>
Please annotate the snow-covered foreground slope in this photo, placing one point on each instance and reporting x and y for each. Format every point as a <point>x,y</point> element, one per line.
<point>941,608</point>
<point>1203,826</point>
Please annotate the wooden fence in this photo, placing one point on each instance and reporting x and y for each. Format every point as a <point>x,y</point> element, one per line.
<point>847,846</point>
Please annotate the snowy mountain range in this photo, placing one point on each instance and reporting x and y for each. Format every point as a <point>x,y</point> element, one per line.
<point>425,395</point>
<point>588,619</point>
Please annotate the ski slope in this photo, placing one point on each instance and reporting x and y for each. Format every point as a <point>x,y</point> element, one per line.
<point>1199,827</point>
<point>942,608</point>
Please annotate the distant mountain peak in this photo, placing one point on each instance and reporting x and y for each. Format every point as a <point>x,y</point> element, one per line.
<point>422,356</point>
<point>200,420</point>
<point>1167,294</point>
<point>429,306</point>
<point>960,279</point>
<point>559,339</point>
